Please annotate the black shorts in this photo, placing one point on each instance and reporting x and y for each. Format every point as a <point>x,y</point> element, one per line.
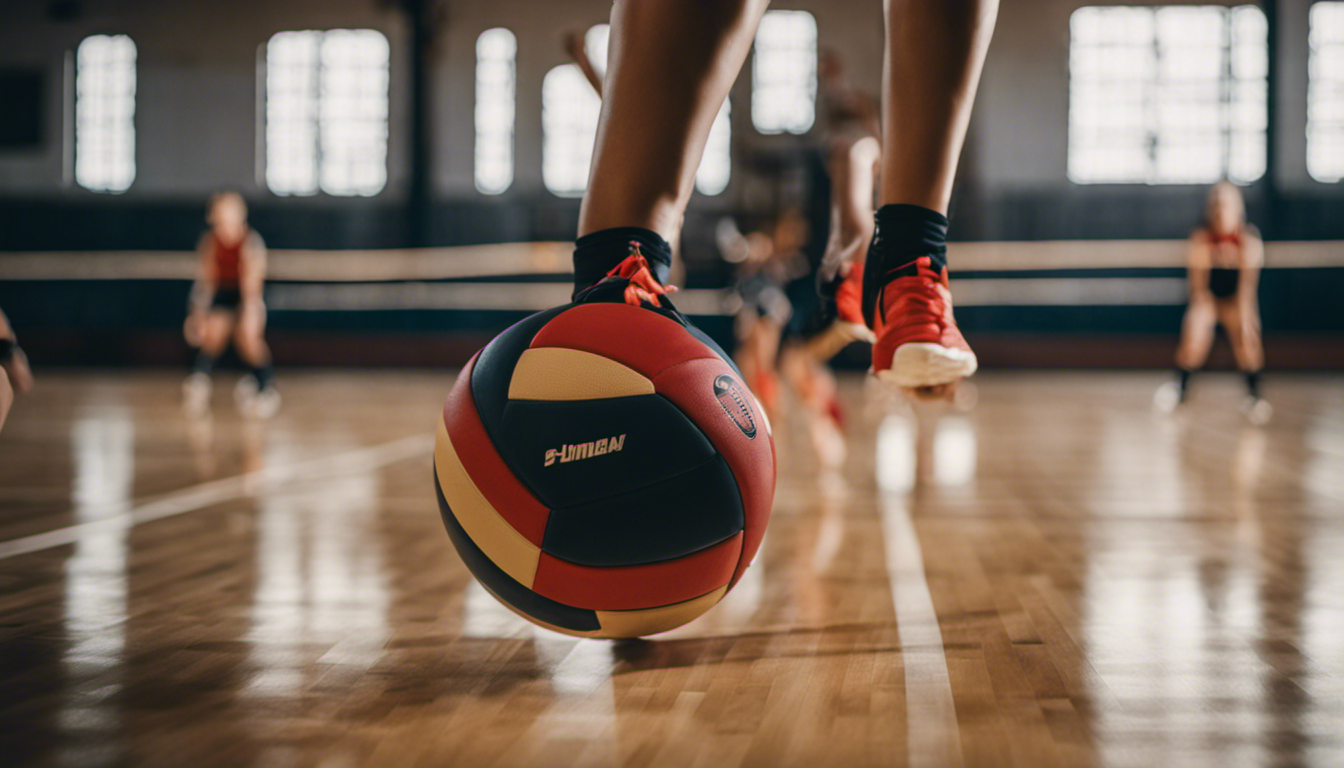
<point>7,347</point>
<point>227,298</point>
<point>1223,282</point>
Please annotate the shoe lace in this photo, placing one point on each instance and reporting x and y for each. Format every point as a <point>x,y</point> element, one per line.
<point>641,287</point>
<point>919,298</point>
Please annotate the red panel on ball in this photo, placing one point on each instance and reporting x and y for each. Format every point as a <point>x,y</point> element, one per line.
<point>493,478</point>
<point>637,338</point>
<point>631,587</point>
<point>691,386</point>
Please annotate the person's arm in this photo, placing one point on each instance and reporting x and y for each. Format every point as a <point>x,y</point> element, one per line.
<point>1199,258</point>
<point>575,48</point>
<point>1248,284</point>
<point>252,281</point>
<point>202,291</point>
<point>19,377</point>
<point>252,284</point>
<point>852,165</point>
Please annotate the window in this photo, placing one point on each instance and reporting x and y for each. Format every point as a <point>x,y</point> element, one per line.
<point>784,73</point>
<point>569,112</point>
<point>1167,95</point>
<point>569,109</point>
<point>569,122</point>
<point>1325,93</point>
<point>495,51</point>
<point>326,112</point>
<point>105,113</point>
<point>716,166</point>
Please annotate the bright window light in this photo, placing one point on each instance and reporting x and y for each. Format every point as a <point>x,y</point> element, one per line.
<point>569,115</point>
<point>1167,95</point>
<point>1325,93</point>
<point>784,73</point>
<point>716,166</point>
<point>326,112</point>
<point>105,113</point>
<point>495,87</point>
<point>569,109</point>
<point>595,42</point>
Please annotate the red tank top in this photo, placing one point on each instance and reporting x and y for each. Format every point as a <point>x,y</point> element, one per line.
<point>228,260</point>
<point>1227,248</point>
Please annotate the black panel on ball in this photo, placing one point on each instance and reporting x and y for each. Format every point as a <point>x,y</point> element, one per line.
<point>575,451</point>
<point>659,521</point>
<point>494,368</point>
<point>504,586</point>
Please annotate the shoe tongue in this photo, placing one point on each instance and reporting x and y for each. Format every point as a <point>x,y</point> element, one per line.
<point>908,266</point>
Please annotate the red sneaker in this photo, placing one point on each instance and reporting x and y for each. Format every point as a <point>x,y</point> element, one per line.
<point>918,344</point>
<point>849,296</point>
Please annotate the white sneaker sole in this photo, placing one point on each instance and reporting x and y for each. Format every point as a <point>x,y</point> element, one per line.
<point>920,364</point>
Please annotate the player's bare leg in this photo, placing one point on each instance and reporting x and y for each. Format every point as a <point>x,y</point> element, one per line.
<point>935,53</point>
<point>671,64</point>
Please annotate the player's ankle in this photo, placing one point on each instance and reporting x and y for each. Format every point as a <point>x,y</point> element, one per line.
<point>597,253</point>
<point>903,235</point>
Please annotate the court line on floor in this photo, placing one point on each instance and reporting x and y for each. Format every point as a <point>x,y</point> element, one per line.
<point>214,492</point>
<point>933,737</point>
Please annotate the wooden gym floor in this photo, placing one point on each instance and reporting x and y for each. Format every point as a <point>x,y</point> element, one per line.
<point>1057,577</point>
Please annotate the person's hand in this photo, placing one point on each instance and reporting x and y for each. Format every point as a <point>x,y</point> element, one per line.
<point>572,41</point>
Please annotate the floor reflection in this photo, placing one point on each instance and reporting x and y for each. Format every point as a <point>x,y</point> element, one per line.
<point>102,442</point>
<point>1055,577</point>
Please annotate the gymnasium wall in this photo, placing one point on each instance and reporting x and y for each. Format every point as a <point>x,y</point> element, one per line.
<point>197,124</point>
<point>197,130</point>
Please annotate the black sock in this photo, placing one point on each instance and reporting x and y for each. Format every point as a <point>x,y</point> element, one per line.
<point>1183,381</point>
<point>204,363</point>
<point>1253,384</point>
<point>597,253</point>
<point>264,374</point>
<point>903,234</point>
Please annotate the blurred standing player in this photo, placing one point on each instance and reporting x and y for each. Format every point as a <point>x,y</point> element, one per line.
<point>853,153</point>
<point>226,303</point>
<point>767,263</point>
<point>15,376</point>
<point>1225,257</point>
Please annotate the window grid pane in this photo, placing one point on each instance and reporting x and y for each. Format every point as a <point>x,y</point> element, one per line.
<point>291,112</point>
<point>784,73</point>
<point>1167,95</point>
<point>326,112</point>
<point>716,166</point>
<point>569,108</point>
<point>495,103</point>
<point>1325,93</point>
<point>105,113</point>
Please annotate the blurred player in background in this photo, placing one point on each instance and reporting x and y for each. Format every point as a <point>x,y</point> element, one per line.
<point>851,130</point>
<point>766,262</point>
<point>15,376</point>
<point>226,303</point>
<point>1225,257</point>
